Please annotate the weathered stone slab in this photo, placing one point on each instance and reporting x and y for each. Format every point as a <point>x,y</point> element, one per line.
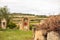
<point>3,23</point>
<point>39,35</point>
<point>53,36</point>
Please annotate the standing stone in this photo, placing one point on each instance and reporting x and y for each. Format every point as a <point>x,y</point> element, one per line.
<point>26,23</point>
<point>3,23</point>
<point>53,36</point>
<point>39,35</point>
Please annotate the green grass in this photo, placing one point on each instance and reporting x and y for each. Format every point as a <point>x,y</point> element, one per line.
<point>16,35</point>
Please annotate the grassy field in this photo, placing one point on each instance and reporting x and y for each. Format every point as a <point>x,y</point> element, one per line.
<point>16,35</point>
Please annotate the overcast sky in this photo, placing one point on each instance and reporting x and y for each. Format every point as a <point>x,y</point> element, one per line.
<point>39,7</point>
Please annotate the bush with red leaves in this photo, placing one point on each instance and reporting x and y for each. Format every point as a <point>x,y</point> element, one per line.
<point>50,24</point>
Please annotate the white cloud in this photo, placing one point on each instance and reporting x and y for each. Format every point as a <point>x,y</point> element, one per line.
<point>32,6</point>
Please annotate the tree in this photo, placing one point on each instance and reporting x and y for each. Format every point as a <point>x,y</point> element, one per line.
<point>4,14</point>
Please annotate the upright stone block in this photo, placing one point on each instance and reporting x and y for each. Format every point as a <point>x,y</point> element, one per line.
<point>53,36</point>
<point>26,23</point>
<point>39,35</point>
<point>3,23</point>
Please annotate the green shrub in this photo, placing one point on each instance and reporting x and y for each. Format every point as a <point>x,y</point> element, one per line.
<point>31,27</point>
<point>11,25</point>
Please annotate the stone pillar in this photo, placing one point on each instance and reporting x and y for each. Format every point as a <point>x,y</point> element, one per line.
<point>3,24</point>
<point>21,24</point>
<point>53,36</point>
<point>26,23</point>
<point>39,35</point>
